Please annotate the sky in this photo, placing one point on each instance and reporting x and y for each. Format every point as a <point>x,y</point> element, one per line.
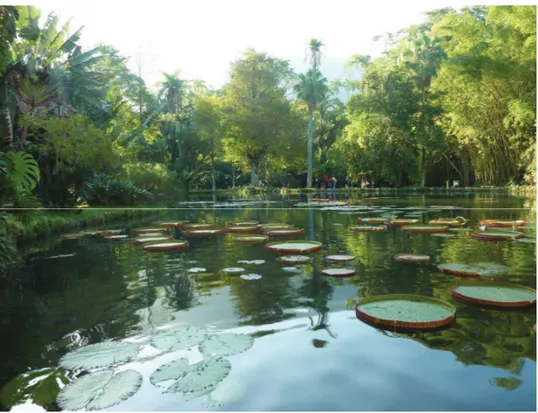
<point>200,38</point>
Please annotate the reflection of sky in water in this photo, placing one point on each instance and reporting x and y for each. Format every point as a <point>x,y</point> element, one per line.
<point>113,290</point>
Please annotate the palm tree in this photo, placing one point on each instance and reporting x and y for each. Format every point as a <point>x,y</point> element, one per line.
<point>313,51</point>
<point>312,88</point>
<point>172,89</point>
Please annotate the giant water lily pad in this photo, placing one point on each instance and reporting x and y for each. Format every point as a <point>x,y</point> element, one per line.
<point>339,272</point>
<point>190,378</point>
<point>483,269</point>
<point>371,220</point>
<point>40,386</point>
<point>178,338</point>
<point>285,232</point>
<point>340,257</point>
<point>137,231</point>
<point>99,390</point>
<point>451,222</point>
<point>167,246</point>
<point>250,277</point>
<point>151,234</point>
<point>497,235</point>
<point>496,294</point>
<point>402,221</point>
<point>368,228</point>
<point>73,236</point>
<point>408,257</point>
<point>254,262</point>
<point>99,355</point>
<point>146,240</point>
<point>502,223</point>
<point>424,229</point>
<point>233,270</point>
<point>205,232</point>
<point>171,224</point>
<point>116,237</point>
<point>245,224</point>
<point>405,311</point>
<point>294,259</point>
<point>251,239</point>
<point>243,228</point>
<point>294,247</point>
<point>226,344</point>
<point>199,226</point>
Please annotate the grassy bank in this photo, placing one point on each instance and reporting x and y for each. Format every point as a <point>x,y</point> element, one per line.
<point>49,222</point>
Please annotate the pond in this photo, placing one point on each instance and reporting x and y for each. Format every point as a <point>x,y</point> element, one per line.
<point>293,341</point>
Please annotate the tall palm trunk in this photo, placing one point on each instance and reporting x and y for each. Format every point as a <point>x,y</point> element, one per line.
<point>309,149</point>
<point>9,126</point>
<point>423,150</point>
<point>254,174</point>
<point>213,183</point>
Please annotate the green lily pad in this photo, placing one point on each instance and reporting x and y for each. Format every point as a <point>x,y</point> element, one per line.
<point>502,294</point>
<point>227,344</point>
<point>460,229</point>
<point>250,277</point>
<point>99,390</point>
<point>39,386</point>
<point>443,235</point>
<point>178,338</point>
<point>99,355</point>
<point>297,247</point>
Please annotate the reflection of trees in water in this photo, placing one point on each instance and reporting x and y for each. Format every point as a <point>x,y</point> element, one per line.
<point>180,293</point>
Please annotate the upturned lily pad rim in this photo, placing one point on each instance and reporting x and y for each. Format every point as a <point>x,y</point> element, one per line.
<point>150,240</point>
<point>451,222</point>
<point>413,257</point>
<point>171,224</point>
<point>349,272</point>
<point>342,257</point>
<point>166,246</point>
<point>491,303</point>
<point>315,246</point>
<point>497,236</point>
<point>284,232</point>
<point>242,229</point>
<point>379,220</point>
<point>206,232</point>
<point>251,239</point>
<point>502,223</point>
<point>252,223</point>
<point>424,229</point>
<point>422,325</point>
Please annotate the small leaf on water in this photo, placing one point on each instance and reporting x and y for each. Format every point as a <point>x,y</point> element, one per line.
<point>255,262</point>
<point>251,276</point>
<point>99,355</point>
<point>170,371</point>
<point>201,376</point>
<point>178,339</point>
<point>99,390</point>
<point>233,269</point>
<point>197,269</point>
<point>226,344</point>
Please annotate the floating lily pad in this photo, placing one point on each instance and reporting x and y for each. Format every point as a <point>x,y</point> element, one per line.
<point>424,229</point>
<point>294,247</point>
<point>99,355</point>
<point>230,390</point>
<point>99,390</point>
<point>240,229</point>
<point>167,246</point>
<point>496,294</point>
<point>233,270</point>
<point>371,220</point>
<point>116,237</point>
<point>450,222</point>
<point>59,256</point>
<point>368,228</point>
<point>151,234</point>
<point>145,240</point>
<point>73,236</point>
<point>171,224</point>
<point>339,272</point>
<point>294,259</point>
<point>202,376</point>
<point>197,269</point>
<point>138,231</point>
<point>499,223</point>
<point>406,311</point>
<point>106,232</point>
<point>250,277</point>
<point>443,235</point>
<point>204,232</point>
<point>178,339</point>
<point>41,387</point>
<point>245,223</point>
<point>227,344</point>
<point>405,257</point>
<point>484,269</point>
<point>251,239</point>
<point>497,235</point>
<point>340,258</point>
<point>255,262</point>
<point>291,269</point>
<point>199,226</point>
<point>284,232</point>
<point>170,371</point>
<point>402,221</point>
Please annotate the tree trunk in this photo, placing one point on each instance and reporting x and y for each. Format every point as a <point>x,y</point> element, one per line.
<point>213,183</point>
<point>423,167</point>
<point>9,125</point>
<point>233,177</point>
<point>254,174</point>
<point>309,150</point>
<point>22,139</point>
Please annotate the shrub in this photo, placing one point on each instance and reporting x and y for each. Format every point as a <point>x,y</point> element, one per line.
<point>102,190</point>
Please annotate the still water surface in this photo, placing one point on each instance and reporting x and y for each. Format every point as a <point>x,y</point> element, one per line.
<point>310,352</point>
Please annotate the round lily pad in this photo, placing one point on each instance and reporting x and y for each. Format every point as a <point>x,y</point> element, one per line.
<point>497,235</point>
<point>73,236</point>
<point>371,220</point>
<point>495,294</point>
<point>104,233</point>
<point>402,221</point>
<point>151,234</point>
<point>233,270</point>
<point>199,226</point>
<point>250,277</point>
<point>137,231</point>
<point>291,269</point>
<point>99,355</point>
<point>255,262</point>
<point>197,269</point>
<point>294,259</point>
<point>145,240</point>
<point>204,232</point>
<point>226,344</point>
<point>294,247</point>
<point>284,232</point>
<point>243,229</point>
<point>368,228</point>
<point>502,223</point>
<point>178,338</point>
<point>424,229</point>
<point>339,272</point>
<point>202,376</point>
<point>451,222</point>
<point>116,237</point>
<point>167,246</point>
<point>406,257</point>
<point>251,239</point>
<point>443,235</point>
<point>340,258</point>
<point>244,223</point>
<point>99,390</point>
<point>267,228</point>
<point>406,311</point>
<point>483,269</point>
<point>171,224</point>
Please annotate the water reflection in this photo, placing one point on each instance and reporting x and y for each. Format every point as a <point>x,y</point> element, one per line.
<point>113,290</point>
